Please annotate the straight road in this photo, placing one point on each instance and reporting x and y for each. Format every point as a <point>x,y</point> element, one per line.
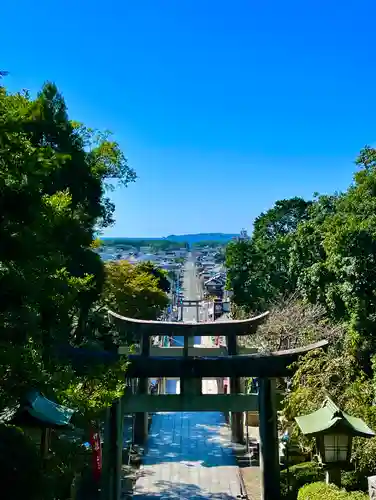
<point>192,291</point>
<point>192,288</point>
<point>189,455</point>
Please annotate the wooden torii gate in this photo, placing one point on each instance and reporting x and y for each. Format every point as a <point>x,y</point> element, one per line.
<point>190,368</point>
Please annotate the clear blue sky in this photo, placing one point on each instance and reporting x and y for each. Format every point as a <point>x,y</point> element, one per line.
<point>221,107</point>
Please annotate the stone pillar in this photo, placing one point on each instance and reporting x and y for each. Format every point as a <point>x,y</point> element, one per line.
<point>141,421</point>
<point>372,487</point>
<point>236,418</point>
<point>269,451</point>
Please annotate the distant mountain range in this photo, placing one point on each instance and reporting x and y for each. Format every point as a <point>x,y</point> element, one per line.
<point>191,239</point>
<point>199,237</point>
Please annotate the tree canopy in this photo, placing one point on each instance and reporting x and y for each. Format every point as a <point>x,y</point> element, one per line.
<point>323,250</point>
<point>136,291</point>
<point>319,255</point>
<point>258,268</point>
<point>55,175</point>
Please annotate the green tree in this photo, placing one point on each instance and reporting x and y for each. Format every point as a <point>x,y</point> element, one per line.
<point>160,274</point>
<point>133,290</point>
<point>53,177</point>
<point>241,259</point>
<point>338,374</point>
<point>320,254</point>
<point>334,252</point>
<point>258,268</point>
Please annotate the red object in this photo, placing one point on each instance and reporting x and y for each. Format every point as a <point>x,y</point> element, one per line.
<point>225,385</point>
<point>95,443</point>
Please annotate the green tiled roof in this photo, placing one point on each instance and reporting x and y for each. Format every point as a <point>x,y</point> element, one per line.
<point>330,417</point>
<point>47,411</point>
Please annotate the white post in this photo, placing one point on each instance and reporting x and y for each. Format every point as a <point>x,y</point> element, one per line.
<point>372,487</point>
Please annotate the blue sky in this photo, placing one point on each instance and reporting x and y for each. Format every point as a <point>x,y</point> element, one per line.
<point>221,107</point>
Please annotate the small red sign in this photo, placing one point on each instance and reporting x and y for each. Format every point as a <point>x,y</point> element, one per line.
<point>96,447</point>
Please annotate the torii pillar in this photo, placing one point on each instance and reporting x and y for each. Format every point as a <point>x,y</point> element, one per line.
<point>269,449</point>
<point>236,418</point>
<point>141,420</point>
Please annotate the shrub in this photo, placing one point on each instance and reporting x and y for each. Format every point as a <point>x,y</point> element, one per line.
<point>297,476</point>
<point>20,467</point>
<point>354,480</point>
<point>318,491</point>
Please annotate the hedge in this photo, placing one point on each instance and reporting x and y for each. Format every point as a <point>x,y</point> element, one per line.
<point>20,465</point>
<point>319,491</point>
<point>297,476</point>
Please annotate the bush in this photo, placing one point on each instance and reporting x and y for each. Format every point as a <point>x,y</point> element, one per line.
<point>354,480</point>
<point>297,476</point>
<point>20,466</point>
<point>318,491</point>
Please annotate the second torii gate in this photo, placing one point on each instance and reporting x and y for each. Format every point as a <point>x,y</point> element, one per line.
<point>190,303</point>
<point>191,368</point>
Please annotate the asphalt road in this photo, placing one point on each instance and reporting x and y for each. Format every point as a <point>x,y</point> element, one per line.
<point>191,288</point>
<point>189,456</point>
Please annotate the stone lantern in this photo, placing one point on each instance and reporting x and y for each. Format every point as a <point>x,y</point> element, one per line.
<point>333,430</point>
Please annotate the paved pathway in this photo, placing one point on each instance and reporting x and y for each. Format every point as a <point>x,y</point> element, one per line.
<point>189,457</point>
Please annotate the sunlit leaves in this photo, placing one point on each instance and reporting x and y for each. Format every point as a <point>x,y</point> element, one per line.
<point>134,291</point>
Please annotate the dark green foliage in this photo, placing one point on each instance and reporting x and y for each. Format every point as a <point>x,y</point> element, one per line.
<point>321,253</point>
<point>69,459</point>
<point>281,220</point>
<point>324,251</point>
<point>21,475</point>
<point>310,472</point>
<point>54,176</point>
<point>258,268</point>
<point>158,273</point>
<point>295,477</point>
<point>353,481</point>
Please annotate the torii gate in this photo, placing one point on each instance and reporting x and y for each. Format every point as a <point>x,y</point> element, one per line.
<point>191,364</point>
<point>190,303</point>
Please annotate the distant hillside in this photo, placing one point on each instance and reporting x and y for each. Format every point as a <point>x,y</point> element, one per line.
<point>172,241</point>
<point>197,238</point>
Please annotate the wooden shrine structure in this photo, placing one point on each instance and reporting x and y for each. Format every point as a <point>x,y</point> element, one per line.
<point>191,364</point>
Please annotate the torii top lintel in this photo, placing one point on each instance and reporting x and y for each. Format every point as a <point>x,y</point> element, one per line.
<point>185,329</point>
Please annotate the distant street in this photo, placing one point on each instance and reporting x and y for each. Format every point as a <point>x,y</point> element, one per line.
<point>192,291</point>
<point>189,454</point>
<point>191,288</point>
